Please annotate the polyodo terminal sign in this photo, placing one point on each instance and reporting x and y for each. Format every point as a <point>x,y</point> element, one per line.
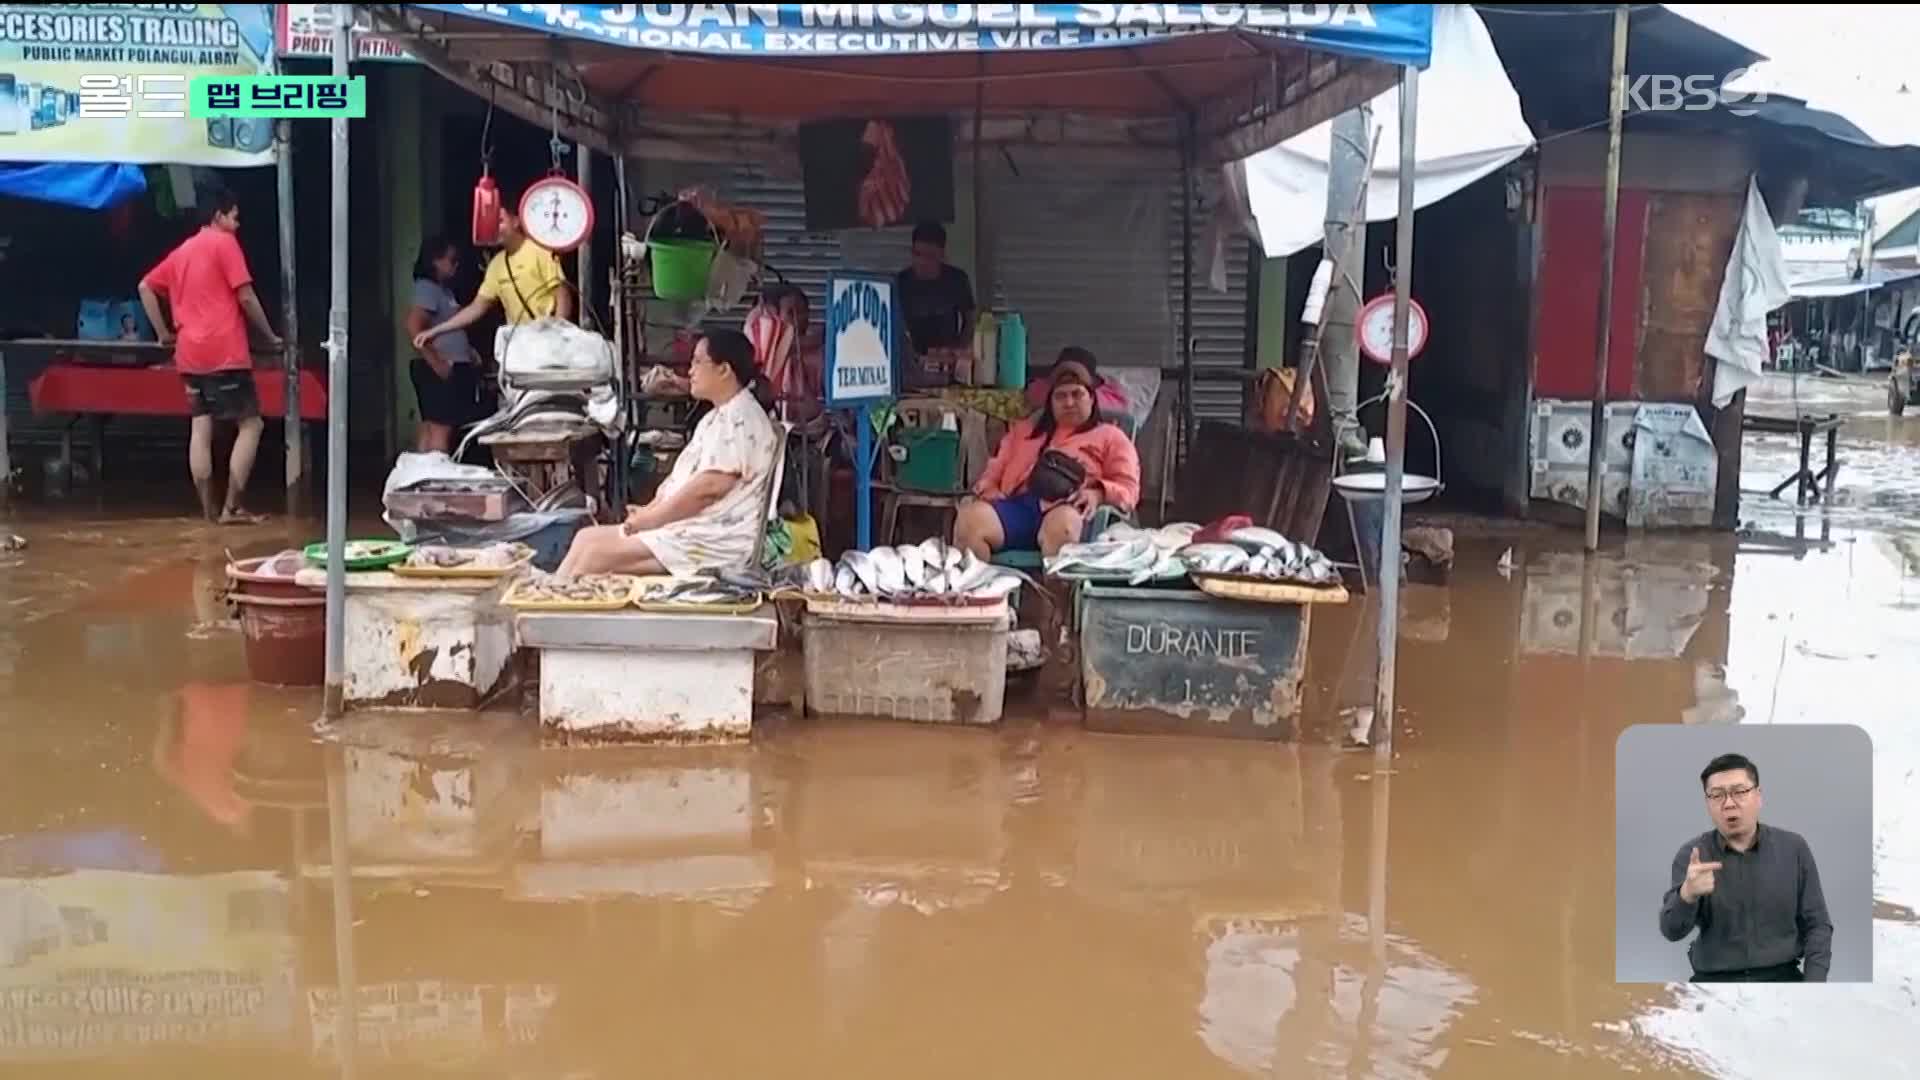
<point>863,346</point>
<point>862,339</point>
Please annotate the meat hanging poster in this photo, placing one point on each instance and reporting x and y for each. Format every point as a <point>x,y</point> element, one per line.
<point>877,172</point>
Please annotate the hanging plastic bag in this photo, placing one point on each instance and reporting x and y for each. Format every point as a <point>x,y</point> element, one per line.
<point>805,534</point>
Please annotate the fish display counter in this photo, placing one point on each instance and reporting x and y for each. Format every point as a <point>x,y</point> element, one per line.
<point>427,631</point>
<point>643,660</point>
<point>1187,630</point>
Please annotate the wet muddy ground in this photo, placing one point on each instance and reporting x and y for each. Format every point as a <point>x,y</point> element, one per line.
<point>860,900</point>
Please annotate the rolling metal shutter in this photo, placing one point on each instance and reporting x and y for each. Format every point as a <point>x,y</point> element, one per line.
<point>1219,319</point>
<point>802,258</point>
<point>1088,257</point>
<point>1079,254</point>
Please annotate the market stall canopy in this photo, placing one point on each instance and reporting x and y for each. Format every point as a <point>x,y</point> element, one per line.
<point>1470,124</point>
<point>89,187</point>
<point>624,75</point>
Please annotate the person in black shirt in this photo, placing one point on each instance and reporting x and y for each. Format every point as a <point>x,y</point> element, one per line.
<point>936,300</point>
<point>1752,890</point>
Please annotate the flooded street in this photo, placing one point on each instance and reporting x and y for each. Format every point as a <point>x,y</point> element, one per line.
<point>864,900</point>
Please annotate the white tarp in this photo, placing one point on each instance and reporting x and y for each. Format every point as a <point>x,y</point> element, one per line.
<point>1468,124</point>
<point>1754,285</point>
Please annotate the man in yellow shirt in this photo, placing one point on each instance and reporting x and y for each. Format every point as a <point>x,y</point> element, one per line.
<point>524,278</point>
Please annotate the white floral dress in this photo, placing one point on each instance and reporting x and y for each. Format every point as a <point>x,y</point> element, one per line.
<point>736,438</point>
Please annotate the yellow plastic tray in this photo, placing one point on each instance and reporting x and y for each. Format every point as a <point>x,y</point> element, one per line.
<point>1256,590</point>
<point>513,601</point>
<point>668,607</point>
<point>456,572</point>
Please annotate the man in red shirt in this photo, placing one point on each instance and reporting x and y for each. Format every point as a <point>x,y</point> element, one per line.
<point>206,283</point>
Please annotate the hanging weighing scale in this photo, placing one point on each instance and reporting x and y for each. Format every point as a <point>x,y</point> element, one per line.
<point>557,214</point>
<point>1376,328</point>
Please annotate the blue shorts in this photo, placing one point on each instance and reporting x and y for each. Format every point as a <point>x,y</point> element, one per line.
<point>1020,518</point>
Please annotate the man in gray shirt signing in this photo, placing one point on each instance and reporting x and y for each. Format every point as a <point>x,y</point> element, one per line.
<point>1752,890</point>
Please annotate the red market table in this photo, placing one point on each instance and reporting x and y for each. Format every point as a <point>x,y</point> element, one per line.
<point>102,392</point>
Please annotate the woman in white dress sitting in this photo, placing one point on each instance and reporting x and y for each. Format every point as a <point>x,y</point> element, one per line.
<point>707,514</point>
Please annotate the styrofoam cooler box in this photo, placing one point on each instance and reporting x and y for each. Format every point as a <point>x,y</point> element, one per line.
<point>894,666</point>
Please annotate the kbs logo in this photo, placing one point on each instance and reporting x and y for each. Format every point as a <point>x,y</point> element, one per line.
<point>1692,93</point>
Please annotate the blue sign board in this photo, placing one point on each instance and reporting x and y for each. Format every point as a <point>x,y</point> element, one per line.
<point>1399,34</point>
<point>863,339</point>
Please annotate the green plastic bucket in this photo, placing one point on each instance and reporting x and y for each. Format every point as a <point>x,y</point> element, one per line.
<point>680,268</point>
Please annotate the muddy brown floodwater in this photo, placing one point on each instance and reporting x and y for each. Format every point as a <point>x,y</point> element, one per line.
<point>876,900</point>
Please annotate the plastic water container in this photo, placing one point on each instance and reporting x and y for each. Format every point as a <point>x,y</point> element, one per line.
<point>986,349</point>
<point>1013,352</point>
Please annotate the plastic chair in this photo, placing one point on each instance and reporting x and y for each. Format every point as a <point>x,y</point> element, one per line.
<point>914,414</point>
<point>772,506</point>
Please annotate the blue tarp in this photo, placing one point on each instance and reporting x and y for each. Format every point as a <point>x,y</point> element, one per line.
<point>89,187</point>
<point>1399,34</point>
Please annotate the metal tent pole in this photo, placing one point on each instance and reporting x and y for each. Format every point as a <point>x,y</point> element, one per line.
<point>1610,220</point>
<point>290,325</point>
<point>335,699</point>
<point>1396,422</point>
<point>583,162</point>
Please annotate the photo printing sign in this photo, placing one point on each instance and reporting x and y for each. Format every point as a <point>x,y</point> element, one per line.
<point>1390,33</point>
<point>861,338</point>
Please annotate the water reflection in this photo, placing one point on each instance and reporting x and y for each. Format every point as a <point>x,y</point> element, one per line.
<point>886,876</point>
<point>109,964</point>
<point>882,900</point>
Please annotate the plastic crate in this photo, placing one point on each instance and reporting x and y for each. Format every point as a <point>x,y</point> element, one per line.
<point>935,673</point>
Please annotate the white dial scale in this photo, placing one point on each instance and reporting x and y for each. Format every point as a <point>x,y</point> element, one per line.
<point>556,214</point>
<point>1376,328</point>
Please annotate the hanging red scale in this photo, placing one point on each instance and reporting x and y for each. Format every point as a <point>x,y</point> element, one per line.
<point>486,211</point>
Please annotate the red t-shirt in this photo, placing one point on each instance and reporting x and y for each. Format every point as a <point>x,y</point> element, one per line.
<point>198,280</point>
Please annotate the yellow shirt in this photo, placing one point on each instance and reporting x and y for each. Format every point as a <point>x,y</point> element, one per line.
<point>535,276</point>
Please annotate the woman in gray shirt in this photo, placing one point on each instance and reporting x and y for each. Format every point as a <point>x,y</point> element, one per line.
<point>446,381</point>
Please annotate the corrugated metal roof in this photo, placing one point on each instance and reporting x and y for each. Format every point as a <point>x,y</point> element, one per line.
<point>1219,318</point>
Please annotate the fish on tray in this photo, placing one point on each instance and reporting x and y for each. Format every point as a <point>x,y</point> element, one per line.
<point>1106,558</point>
<point>490,557</point>
<point>918,571</point>
<point>724,588</point>
<point>583,589</point>
<point>1167,537</point>
<point>1215,558</point>
<point>1263,553</point>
